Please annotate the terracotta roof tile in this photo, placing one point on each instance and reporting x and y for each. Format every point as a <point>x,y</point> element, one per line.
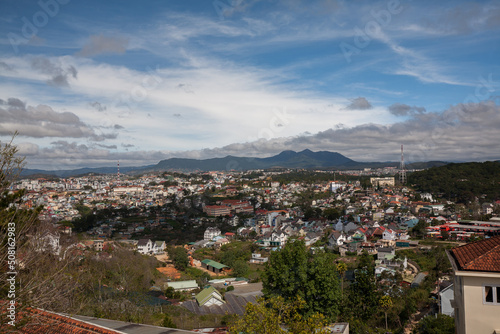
<point>38,321</point>
<point>482,255</point>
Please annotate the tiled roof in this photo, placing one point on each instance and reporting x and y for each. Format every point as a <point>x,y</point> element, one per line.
<point>482,255</point>
<point>39,321</point>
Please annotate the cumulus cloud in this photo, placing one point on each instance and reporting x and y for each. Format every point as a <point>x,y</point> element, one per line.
<point>99,44</point>
<point>399,109</point>
<point>426,136</point>
<point>359,103</point>
<point>43,121</point>
<point>59,76</point>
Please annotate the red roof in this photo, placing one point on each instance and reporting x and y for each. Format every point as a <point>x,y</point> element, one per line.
<point>482,255</point>
<point>39,321</point>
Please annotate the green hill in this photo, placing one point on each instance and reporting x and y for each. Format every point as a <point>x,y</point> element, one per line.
<point>460,182</point>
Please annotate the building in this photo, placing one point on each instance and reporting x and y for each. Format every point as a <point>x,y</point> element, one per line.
<point>446,295</point>
<point>382,181</point>
<point>214,266</point>
<point>217,210</point>
<point>145,246</point>
<point>209,296</point>
<point>476,268</point>
<point>183,285</point>
<point>258,258</point>
<point>211,233</point>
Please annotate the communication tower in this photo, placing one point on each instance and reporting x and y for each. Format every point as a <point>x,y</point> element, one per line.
<point>402,169</point>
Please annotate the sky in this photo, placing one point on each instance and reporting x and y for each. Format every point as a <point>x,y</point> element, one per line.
<point>90,83</point>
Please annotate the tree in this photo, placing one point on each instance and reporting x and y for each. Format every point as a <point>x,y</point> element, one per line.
<point>294,272</point>
<point>272,316</point>
<point>385,303</point>
<point>363,298</point>
<point>35,275</point>
<point>179,257</point>
<point>442,324</point>
<point>342,268</point>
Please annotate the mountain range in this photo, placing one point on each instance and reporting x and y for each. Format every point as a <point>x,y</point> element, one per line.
<point>305,159</point>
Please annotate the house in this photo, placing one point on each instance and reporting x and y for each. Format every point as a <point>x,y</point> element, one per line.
<point>336,239</point>
<point>183,285</point>
<point>211,233</point>
<point>145,246</point>
<point>382,252</point>
<point>159,247</point>
<point>446,295</point>
<point>98,245</point>
<point>389,235</point>
<point>209,296</point>
<point>476,269</point>
<point>214,266</point>
<point>257,258</point>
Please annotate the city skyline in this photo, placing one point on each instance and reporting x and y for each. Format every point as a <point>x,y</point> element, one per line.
<point>89,84</point>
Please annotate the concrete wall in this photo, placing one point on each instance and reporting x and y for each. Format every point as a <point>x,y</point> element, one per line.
<point>479,317</point>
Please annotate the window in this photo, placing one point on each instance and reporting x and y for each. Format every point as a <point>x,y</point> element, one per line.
<point>491,294</point>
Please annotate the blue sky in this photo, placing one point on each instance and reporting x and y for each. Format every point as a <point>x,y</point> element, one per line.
<point>88,83</point>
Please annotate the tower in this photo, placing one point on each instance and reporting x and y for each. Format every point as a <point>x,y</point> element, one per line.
<point>118,174</point>
<point>402,170</point>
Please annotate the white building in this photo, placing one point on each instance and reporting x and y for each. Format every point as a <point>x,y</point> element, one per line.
<point>211,233</point>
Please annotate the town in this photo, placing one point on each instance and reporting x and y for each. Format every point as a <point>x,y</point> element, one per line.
<point>213,233</point>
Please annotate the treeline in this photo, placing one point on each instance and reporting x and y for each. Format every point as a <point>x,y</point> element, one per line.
<point>460,182</point>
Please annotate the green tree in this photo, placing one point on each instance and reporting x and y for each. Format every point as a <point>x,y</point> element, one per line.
<point>294,272</point>
<point>442,324</point>
<point>179,257</point>
<point>167,322</point>
<point>385,303</point>
<point>273,315</point>
<point>342,268</point>
<point>363,299</point>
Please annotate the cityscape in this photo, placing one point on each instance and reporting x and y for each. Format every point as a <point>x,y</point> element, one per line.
<point>247,166</point>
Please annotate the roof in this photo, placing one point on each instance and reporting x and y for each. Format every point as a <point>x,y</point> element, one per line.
<point>205,295</point>
<point>143,242</point>
<point>39,321</point>
<point>191,284</point>
<point>482,255</point>
<point>214,264</point>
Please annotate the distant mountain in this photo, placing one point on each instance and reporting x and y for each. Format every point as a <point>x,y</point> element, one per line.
<point>78,172</point>
<point>305,159</point>
<point>286,159</point>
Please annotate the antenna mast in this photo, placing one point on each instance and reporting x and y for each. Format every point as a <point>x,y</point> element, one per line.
<point>118,174</point>
<point>402,169</point>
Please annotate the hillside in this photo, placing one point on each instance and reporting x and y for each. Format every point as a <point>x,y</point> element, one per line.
<point>460,182</point>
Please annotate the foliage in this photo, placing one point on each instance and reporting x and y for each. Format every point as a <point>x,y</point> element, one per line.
<point>460,183</point>
<point>40,281</point>
<point>179,257</point>
<point>442,324</point>
<point>167,322</point>
<point>275,315</point>
<point>294,272</point>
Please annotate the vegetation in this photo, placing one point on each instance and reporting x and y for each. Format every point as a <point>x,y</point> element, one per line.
<point>293,272</point>
<point>276,315</point>
<point>461,183</point>
<point>442,324</point>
